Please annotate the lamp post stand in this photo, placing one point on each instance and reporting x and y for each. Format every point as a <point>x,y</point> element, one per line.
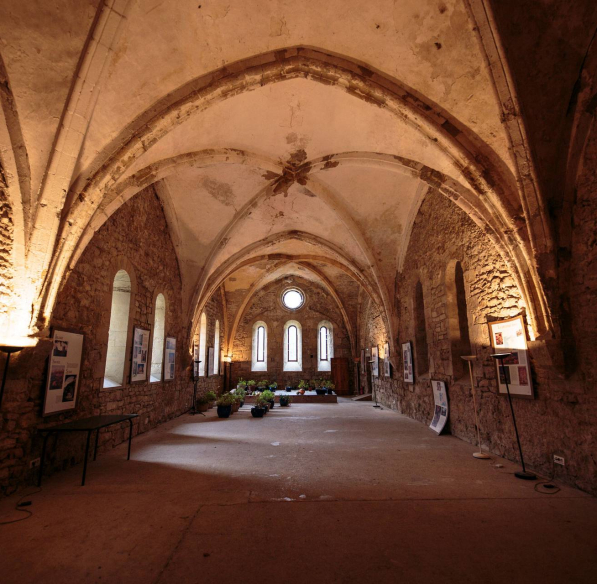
<point>525,475</point>
<point>481,455</point>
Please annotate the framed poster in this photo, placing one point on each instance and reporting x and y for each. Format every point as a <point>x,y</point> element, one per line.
<point>407,357</point>
<point>140,350</point>
<point>387,369</point>
<point>508,336</point>
<point>64,367</point>
<point>374,361</point>
<point>210,361</point>
<point>440,414</point>
<point>170,359</point>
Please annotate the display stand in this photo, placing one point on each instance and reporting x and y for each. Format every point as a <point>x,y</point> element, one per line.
<point>481,455</point>
<point>529,476</point>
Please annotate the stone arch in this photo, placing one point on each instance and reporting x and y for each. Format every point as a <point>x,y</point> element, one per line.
<point>487,175</point>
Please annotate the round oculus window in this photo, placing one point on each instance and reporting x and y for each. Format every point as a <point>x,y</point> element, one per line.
<point>293,299</point>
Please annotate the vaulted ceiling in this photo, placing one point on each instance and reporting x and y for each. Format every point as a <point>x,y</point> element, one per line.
<point>281,137</point>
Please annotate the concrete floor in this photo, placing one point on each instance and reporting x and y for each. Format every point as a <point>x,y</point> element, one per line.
<point>311,493</point>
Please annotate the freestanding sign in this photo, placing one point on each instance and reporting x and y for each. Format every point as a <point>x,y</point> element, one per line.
<point>63,373</point>
<point>440,414</point>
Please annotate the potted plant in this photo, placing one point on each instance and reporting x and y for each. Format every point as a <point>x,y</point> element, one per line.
<point>225,405</point>
<point>235,402</point>
<point>273,386</point>
<point>241,384</point>
<point>303,385</point>
<point>330,387</point>
<point>241,393</point>
<point>262,384</point>
<point>211,398</point>
<point>269,397</point>
<point>202,403</point>
<point>251,386</point>
<point>285,400</point>
<point>258,410</point>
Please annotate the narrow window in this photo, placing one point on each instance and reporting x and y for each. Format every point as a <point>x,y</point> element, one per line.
<point>292,344</point>
<point>293,358</point>
<point>460,342</point>
<point>117,335</point>
<point>159,329</point>
<point>261,344</point>
<point>202,345</point>
<point>325,346</point>
<point>259,348</point>
<point>421,349</point>
<point>217,349</point>
<point>323,343</point>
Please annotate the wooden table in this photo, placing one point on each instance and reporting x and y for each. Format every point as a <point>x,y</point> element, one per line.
<point>89,425</point>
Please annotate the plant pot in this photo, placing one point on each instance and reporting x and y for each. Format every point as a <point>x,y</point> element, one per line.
<point>257,412</point>
<point>202,407</point>
<point>266,408</point>
<point>224,411</point>
<point>272,403</point>
<point>242,403</point>
<point>330,391</point>
<point>211,405</point>
<point>320,391</point>
<point>284,402</point>
<point>235,407</point>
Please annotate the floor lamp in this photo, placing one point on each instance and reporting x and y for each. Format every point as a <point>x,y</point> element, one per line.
<point>194,409</point>
<point>469,359</point>
<point>529,476</point>
<point>9,351</point>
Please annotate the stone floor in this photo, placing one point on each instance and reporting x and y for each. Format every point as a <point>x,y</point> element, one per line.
<point>311,493</point>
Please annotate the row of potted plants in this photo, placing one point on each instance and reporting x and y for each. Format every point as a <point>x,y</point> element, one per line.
<point>206,401</point>
<point>321,386</point>
<point>265,401</point>
<point>252,385</point>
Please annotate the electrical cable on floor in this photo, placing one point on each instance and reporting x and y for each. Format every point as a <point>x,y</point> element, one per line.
<point>547,487</point>
<point>19,507</point>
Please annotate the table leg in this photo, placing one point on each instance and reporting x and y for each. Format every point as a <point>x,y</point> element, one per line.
<point>130,437</point>
<point>43,458</point>
<point>86,456</point>
<point>95,448</point>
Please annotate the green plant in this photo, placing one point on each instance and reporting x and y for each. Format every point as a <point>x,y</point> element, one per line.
<point>240,392</point>
<point>211,396</point>
<point>303,384</point>
<point>273,385</point>
<point>285,400</point>
<point>251,383</point>
<point>203,400</point>
<point>268,395</point>
<point>262,383</point>
<point>241,384</point>
<point>260,402</point>
<point>226,399</point>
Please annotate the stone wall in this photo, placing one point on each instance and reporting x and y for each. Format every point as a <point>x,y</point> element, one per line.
<point>560,420</point>
<point>266,307</point>
<point>136,239</point>
<point>6,240</point>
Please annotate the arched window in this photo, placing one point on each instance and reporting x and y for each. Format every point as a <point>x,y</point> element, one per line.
<point>119,324</point>
<point>159,330</point>
<point>325,346</point>
<point>259,348</point>
<point>293,346</point>
<point>202,345</point>
<point>421,349</point>
<point>460,343</point>
<point>217,349</point>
